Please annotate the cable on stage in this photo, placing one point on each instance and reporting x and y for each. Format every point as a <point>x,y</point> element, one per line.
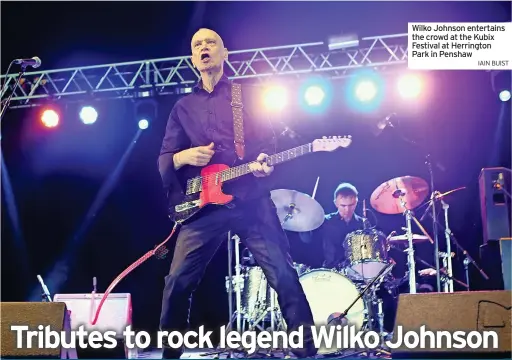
<point>129,269</point>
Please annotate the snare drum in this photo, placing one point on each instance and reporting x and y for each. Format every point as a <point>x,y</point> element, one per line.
<point>366,252</point>
<point>329,294</point>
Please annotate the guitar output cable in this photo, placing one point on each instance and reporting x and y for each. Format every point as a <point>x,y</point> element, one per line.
<point>130,268</point>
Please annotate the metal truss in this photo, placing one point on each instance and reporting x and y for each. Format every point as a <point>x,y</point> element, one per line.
<point>173,75</point>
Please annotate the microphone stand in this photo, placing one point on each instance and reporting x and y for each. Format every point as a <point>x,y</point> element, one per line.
<point>434,223</point>
<point>8,101</point>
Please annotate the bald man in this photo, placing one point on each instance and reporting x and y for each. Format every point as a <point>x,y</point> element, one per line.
<point>200,131</point>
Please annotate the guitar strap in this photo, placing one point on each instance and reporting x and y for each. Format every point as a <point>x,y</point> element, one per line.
<point>238,119</point>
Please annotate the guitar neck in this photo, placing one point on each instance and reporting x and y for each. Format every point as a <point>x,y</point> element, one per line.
<point>241,170</point>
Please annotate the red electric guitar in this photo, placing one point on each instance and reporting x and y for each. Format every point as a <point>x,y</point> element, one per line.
<point>206,187</point>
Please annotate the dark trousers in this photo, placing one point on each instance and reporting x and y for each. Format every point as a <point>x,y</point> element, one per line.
<point>257,224</point>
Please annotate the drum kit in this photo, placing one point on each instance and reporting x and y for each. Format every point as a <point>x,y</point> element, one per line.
<point>346,295</point>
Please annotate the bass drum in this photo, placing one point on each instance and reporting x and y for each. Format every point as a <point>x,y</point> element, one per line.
<point>329,294</point>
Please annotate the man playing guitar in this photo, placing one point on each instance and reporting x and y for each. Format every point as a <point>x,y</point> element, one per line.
<point>202,130</point>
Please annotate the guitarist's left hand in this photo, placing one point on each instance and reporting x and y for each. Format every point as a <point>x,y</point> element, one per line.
<point>260,167</point>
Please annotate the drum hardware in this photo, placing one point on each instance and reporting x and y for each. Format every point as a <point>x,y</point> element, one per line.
<point>443,271</point>
<point>415,238</point>
<point>342,318</point>
<point>367,252</point>
<point>233,284</point>
<point>400,196</point>
<point>436,195</point>
<point>297,211</point>
<point>447,259</point>
<point>467,258</point>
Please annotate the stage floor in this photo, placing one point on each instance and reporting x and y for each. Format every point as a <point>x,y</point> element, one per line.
<point>203,354</point>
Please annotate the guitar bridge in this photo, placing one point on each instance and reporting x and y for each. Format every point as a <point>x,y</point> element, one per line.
<point>187,206</point>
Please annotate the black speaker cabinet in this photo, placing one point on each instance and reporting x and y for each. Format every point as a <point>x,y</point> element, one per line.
<point>33,314</point>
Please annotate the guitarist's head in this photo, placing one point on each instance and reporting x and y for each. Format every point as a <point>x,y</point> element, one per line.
<point>208,55</point>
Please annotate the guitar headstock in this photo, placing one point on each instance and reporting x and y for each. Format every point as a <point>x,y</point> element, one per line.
<point>331,143</point>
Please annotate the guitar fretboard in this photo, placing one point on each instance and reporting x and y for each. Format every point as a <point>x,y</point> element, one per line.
<point>195,184</point>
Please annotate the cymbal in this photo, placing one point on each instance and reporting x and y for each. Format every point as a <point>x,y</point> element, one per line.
<point>415,238</point>
<point>386,197</point>
<point>297,211</point>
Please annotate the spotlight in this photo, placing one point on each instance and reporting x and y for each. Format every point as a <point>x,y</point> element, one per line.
<point>275,98</point>
<point>143,124</point>
<point>314,95</point>
<point>366,90</point>
<point>504,95</point>
<point>409,86</point>
<point>500,81</point>
<point>50,118</point>
<point>88,115</point>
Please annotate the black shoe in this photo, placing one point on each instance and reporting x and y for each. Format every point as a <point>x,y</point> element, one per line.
<point>170,353</point>
<point>308,351</point>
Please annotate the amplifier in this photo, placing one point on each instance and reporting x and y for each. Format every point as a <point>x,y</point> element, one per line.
<point>34,314</point>
<point>493,204</point>
<point>115,315</point>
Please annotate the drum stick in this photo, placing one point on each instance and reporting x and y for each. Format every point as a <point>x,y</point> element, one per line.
<point>423,230</point>
<point>316,187</point>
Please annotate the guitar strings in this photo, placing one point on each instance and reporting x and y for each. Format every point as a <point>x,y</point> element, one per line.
<point>205,179</point>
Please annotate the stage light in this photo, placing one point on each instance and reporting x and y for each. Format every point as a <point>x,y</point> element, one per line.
<point>88,115</point>
<point>366,91</point>
<point>410,86</point>
<point>504,95</point>
<point>50,118</point>
<point>143,124</point>
<point>314,95</point>
<point>275,98</point>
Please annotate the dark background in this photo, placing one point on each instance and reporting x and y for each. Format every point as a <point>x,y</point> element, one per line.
<point>56,174</point>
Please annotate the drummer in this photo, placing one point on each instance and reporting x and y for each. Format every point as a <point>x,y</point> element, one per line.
<point>337,225</point>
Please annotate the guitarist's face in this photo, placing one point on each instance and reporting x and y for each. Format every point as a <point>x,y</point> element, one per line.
<point>208,52</point>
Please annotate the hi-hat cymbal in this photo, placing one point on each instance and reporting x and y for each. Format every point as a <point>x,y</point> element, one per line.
<point>386,197</point>
<point>297,211</point>
<point>403,238</point>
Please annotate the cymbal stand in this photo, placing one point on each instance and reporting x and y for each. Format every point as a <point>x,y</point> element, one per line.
<point>233,284</point>
<point>467,260</point>
<point>410,250</point>
<point>447,256</point>
<point>434,223</point>
<point>289,215</point>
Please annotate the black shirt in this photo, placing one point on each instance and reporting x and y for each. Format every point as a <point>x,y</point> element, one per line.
<point>201,118</point>
<point>332,233</point>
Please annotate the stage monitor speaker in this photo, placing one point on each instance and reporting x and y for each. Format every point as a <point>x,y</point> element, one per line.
<point>115,315</point>
<point>506,262</point>
<point>493,204</point>
<point>490,262</point>
<point>449,312</point>
<point>33,314</point>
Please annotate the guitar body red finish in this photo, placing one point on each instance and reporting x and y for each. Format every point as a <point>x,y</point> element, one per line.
<point>211,190</point>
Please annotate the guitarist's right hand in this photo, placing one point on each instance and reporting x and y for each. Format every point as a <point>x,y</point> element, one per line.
<point>196,156</point>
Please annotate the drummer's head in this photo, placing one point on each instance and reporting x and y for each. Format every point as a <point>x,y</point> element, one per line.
<point>345,199</point>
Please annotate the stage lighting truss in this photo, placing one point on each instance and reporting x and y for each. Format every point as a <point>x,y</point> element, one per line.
<point>174,75</point>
